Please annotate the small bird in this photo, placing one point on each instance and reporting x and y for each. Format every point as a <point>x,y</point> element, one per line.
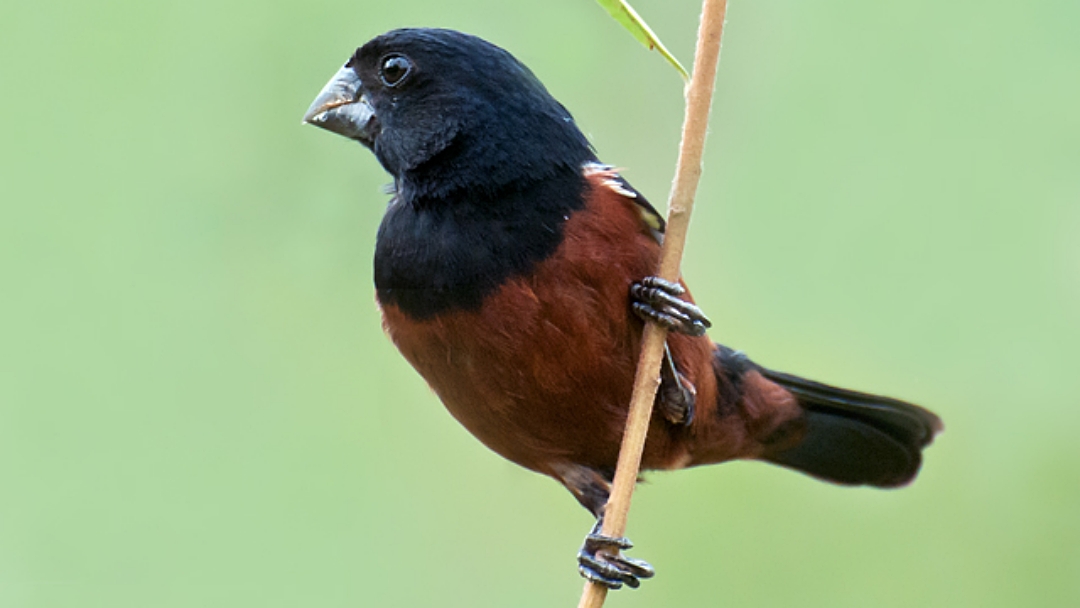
<point>514,272</point>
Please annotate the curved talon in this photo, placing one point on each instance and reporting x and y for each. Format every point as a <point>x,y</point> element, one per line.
<point>638,567</point>
<point>658,300</point>
<point>649,313</point>
<point>674,288</point>
<point>671,319</point>
<point>605,573</point>
<point>612,570</point>
<point>697,329</point>
<point>682,318</point>
<point>676,396</point>
<point>655,294</point>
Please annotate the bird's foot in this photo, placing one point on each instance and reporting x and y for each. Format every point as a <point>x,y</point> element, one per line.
<point>600,560</point>
<point>655,299</point>
<point>676,396</point>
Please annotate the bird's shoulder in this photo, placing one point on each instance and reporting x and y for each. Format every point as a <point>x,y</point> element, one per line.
<point>606,178</point>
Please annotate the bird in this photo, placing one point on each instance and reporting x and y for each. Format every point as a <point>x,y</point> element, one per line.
<point>515,272</point>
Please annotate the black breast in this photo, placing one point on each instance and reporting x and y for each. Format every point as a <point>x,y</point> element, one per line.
<point>433,256</point>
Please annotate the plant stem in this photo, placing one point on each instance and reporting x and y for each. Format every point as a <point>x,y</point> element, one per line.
<point>687,173</point>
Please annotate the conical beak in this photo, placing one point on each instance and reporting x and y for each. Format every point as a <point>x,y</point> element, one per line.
<point>341,108</point>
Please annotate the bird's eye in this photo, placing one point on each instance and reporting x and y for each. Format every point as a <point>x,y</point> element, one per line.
<point>394,69</point>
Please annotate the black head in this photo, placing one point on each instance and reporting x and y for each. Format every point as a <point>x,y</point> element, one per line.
<point>445,111</point>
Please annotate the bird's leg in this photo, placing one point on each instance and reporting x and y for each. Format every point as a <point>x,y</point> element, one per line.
<point>600,560</point>
<point>676,396</point>
<point>658,300</point>
<point>655,299</point>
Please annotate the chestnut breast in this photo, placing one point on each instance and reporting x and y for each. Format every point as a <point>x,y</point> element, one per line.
<point>541,372</point>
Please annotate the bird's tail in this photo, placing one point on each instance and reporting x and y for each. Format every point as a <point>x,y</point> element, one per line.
<point>850,437</point>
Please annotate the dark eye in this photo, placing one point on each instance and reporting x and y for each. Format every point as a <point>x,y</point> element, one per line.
<point>394,69</point>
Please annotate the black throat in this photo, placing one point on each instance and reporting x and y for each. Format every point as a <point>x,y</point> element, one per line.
<point>435,255</point>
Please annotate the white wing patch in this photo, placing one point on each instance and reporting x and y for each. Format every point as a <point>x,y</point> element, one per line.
<point>609,177</point>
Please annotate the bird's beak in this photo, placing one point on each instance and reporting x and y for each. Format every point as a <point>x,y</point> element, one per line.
<point>341,108</point>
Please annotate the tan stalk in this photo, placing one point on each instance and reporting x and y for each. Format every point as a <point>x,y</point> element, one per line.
<point>687,173</point>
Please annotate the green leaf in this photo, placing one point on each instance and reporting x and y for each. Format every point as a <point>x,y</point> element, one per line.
<point>628,17</point>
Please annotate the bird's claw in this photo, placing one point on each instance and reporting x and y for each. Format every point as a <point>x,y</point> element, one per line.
<point>655,299</point>
<point>600,560</point>
<point>676,396</point>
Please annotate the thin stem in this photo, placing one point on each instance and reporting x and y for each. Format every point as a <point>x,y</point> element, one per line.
<point>687,173</point>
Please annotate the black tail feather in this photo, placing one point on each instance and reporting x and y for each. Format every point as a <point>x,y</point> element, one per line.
<point>855,438</point>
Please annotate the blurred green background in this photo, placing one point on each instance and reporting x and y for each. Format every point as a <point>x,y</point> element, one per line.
<point>198,406</point>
